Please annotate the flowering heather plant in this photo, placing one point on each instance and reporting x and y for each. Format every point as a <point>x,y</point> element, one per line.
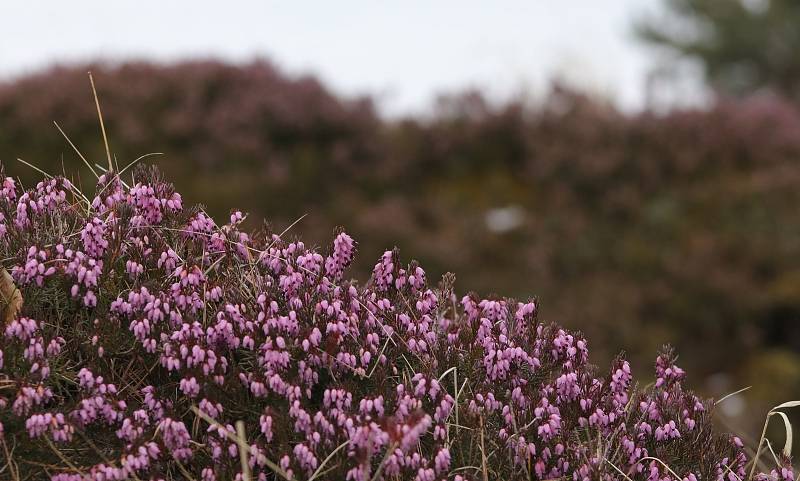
<point>155,344</point>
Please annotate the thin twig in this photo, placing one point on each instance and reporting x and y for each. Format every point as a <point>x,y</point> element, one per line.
<point>484,461</point>
<point>260,457</point>
<point>389,450</point>
<point>9,462</point>
<point>319,472</point>
<point>731,395</point>
<point>102,125</point>
<point>37,169</point>
<point>61,456</point>
<point>241,441</point>
<point>76,150</point>
<point>75,189</point>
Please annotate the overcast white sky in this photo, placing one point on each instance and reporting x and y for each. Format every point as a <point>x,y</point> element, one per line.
<point>403,51</point>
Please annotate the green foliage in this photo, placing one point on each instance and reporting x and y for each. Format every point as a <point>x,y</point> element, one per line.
<point>743,45</point>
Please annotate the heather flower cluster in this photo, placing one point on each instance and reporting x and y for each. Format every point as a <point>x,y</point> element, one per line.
<point>144,319</point>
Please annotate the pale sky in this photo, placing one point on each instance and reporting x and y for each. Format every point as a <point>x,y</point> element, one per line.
<point>402,52</point>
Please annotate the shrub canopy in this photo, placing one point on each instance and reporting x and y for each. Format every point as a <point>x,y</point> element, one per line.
<point>637,229</point>
<point>147,331</point>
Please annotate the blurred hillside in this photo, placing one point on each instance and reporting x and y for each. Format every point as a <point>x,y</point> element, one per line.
<point>638,229</point>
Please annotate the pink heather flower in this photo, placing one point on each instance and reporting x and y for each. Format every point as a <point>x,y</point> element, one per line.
<point>93,237</point>
<point>190,387</point>
<point>341,257</point>
<point>179,312</point>
<point>8,190</point>
<point>383,274</point>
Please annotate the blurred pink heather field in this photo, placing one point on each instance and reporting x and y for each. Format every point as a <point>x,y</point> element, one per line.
<point>141,340</point>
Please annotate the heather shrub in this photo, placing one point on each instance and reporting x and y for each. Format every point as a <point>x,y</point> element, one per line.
<point>148,331</point>
<point>637,229</point>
